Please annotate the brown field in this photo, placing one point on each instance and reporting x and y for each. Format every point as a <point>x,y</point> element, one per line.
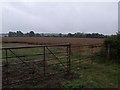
<point>53,40</point>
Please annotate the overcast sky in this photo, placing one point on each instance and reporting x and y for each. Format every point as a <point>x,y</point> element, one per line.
<point>60,17</point>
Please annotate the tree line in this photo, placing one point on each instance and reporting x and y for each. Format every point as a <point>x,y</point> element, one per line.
<point>33,34</point>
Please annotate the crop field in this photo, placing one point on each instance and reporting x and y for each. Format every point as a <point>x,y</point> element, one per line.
<point>87,68</point>
<point>52,40</point>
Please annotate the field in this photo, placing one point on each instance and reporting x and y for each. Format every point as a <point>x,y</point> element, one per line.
<point>88,69</point>
<point>52,40</point>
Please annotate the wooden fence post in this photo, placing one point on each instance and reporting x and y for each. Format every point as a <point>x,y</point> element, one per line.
<point>92,52</point>
<point>108,51</point>
<point>68,58</point>
<point>7,67</point>
<point>44,60</point>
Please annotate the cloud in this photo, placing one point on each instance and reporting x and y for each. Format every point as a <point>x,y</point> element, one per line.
<point>61,17</point>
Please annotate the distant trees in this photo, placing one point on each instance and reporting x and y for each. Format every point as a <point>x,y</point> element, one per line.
<point>12,34</point>
<point>32,34</point>
<point>15,34</point>
<point>37,35</point>
<point>19,34</point>
<point>85,35</point>
<point>70,35</point>
<point>60,34</point>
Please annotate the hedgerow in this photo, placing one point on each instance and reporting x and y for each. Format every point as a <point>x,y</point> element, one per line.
<point>113,43</point>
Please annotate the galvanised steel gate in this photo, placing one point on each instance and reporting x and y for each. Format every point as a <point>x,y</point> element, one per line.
<point>21,63</point>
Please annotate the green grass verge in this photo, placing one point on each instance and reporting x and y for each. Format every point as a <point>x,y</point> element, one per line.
<point>96,75</point>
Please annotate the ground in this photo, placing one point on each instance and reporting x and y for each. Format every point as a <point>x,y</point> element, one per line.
<point>92,72</point>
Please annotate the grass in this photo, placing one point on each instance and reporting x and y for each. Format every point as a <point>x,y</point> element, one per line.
<point>101,73</point>
<point>96,75</point>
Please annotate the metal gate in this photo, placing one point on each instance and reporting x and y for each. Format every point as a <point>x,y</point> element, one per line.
<point>21,63</point>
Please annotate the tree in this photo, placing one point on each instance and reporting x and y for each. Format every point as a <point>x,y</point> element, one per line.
<point>60,34</point>
<point>31,34</point>
<point>37,35</point>
<point>42,34</point>
<point>19,34</point>
<point>26,34</point>
<point>12,34</point>
<point>70,35</point>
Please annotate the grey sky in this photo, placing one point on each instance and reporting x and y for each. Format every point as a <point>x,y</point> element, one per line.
<point>58,17</point>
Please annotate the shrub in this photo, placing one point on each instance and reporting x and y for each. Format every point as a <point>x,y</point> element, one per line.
<point>114,44</point>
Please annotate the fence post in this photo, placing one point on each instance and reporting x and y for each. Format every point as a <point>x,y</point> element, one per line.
<point>44,60</point>
<point>7,67</point>
<point>68,58</point>
<point>108,51</point>
<point>92,47</point>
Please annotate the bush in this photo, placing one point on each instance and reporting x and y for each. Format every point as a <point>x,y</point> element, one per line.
<point>114,44</point>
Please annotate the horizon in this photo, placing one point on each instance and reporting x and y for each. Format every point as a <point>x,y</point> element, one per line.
<point>58,32</point>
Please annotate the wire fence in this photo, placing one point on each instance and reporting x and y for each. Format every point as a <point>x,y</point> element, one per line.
<point>84,54</point>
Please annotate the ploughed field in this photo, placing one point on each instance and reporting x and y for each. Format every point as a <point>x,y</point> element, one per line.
<point>52,40</point>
